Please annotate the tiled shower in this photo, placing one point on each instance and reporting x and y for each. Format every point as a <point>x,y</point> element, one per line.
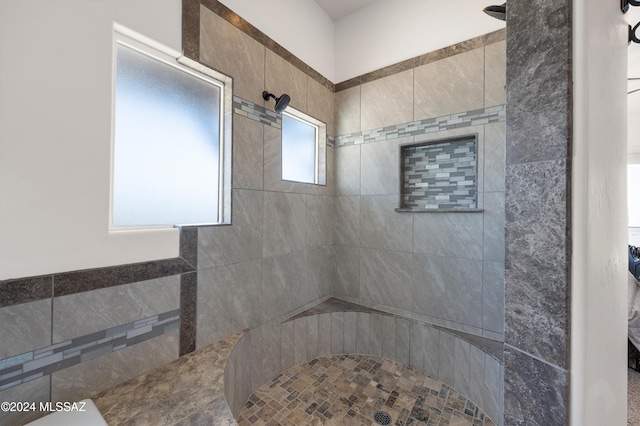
<point>291,245</point>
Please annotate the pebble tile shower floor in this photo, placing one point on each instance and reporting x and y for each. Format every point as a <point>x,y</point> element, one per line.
<point>350,389</point>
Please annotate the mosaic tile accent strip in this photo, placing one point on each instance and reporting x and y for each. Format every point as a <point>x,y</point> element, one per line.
<point>350,389</point>
<point>421,127</point>
<point>265,116</point>
<point>439,175</point>
<point>32,365</point>
<point>256,112</point>
<point>331,141</point>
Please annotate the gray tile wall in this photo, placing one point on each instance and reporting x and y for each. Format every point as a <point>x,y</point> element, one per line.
<point>83,365</point>
<point>88,312</point>
<point>277,254</point>
<point>235,262</point>
<point>25,327</point>
<point>443,268</point>
<point>50,359</point>
<point>538,176</point>
<point>123,318</point>
<point>290,244</point>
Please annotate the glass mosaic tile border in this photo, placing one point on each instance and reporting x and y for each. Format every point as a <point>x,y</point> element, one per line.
<point>458,120</point>
<point>430,125</point>
<point>44,361</point>
<point>256,112</point>
<point>263,115</point>
<point>440,174</point>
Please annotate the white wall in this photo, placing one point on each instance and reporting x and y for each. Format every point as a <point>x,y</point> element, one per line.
<point>634,126</point>
<point>633,17</point>
<point>378,35</point>
<point>300,26</point>
<point>599,218</point>
<point>387,32</point>
<point>55,133</point>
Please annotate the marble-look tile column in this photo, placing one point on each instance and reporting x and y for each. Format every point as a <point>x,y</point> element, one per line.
<point>538,240</point>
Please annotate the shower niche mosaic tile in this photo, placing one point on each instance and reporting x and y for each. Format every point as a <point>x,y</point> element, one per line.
<point>439,175</point>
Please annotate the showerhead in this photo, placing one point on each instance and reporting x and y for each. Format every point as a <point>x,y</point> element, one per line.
<point>281,103</point>
<point>498,12</point>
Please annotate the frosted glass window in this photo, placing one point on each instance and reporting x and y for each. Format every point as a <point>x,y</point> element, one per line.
<point>167,144</point>
<point>633,189</point>
<point>299,150</point>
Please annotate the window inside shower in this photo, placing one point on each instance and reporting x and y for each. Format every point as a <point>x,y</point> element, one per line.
<point>303,148</point>
<point>169,151</point>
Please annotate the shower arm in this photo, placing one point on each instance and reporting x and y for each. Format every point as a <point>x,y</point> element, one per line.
<point>266,95</point>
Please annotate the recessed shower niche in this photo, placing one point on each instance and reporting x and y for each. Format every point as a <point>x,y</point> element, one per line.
<point>439,175</point>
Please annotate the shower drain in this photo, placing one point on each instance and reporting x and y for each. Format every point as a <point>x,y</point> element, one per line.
<point>382,418</point>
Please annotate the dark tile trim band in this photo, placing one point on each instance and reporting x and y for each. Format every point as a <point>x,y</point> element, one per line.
<point>45,361</point>
<point>189,312</point>
<point>23,290</point>
<point>94,279</point>
<point>430,125</point>
<point>31,289</point>
<point>191,45</point>
<point>191,28</point>
<point>425,59</point>
<point>189,245</point>
<point>237,21</point>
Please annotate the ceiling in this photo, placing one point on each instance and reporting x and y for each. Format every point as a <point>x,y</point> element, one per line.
<point>337,9</point>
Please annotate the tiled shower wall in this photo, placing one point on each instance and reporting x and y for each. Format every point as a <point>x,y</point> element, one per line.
<point>277,255</point>
<point>443,268</point>
<point>539,164</point>
<point>292,244</point>
<point>67,336</point>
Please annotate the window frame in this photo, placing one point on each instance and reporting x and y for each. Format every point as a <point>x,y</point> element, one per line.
<point>320,164</point>
<point>123,36</point>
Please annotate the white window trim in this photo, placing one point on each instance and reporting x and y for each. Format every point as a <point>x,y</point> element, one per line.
<point>153,49</point>
<point>321,146</point>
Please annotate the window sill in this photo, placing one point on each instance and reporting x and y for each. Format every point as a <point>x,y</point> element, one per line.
<point>422,210</point>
